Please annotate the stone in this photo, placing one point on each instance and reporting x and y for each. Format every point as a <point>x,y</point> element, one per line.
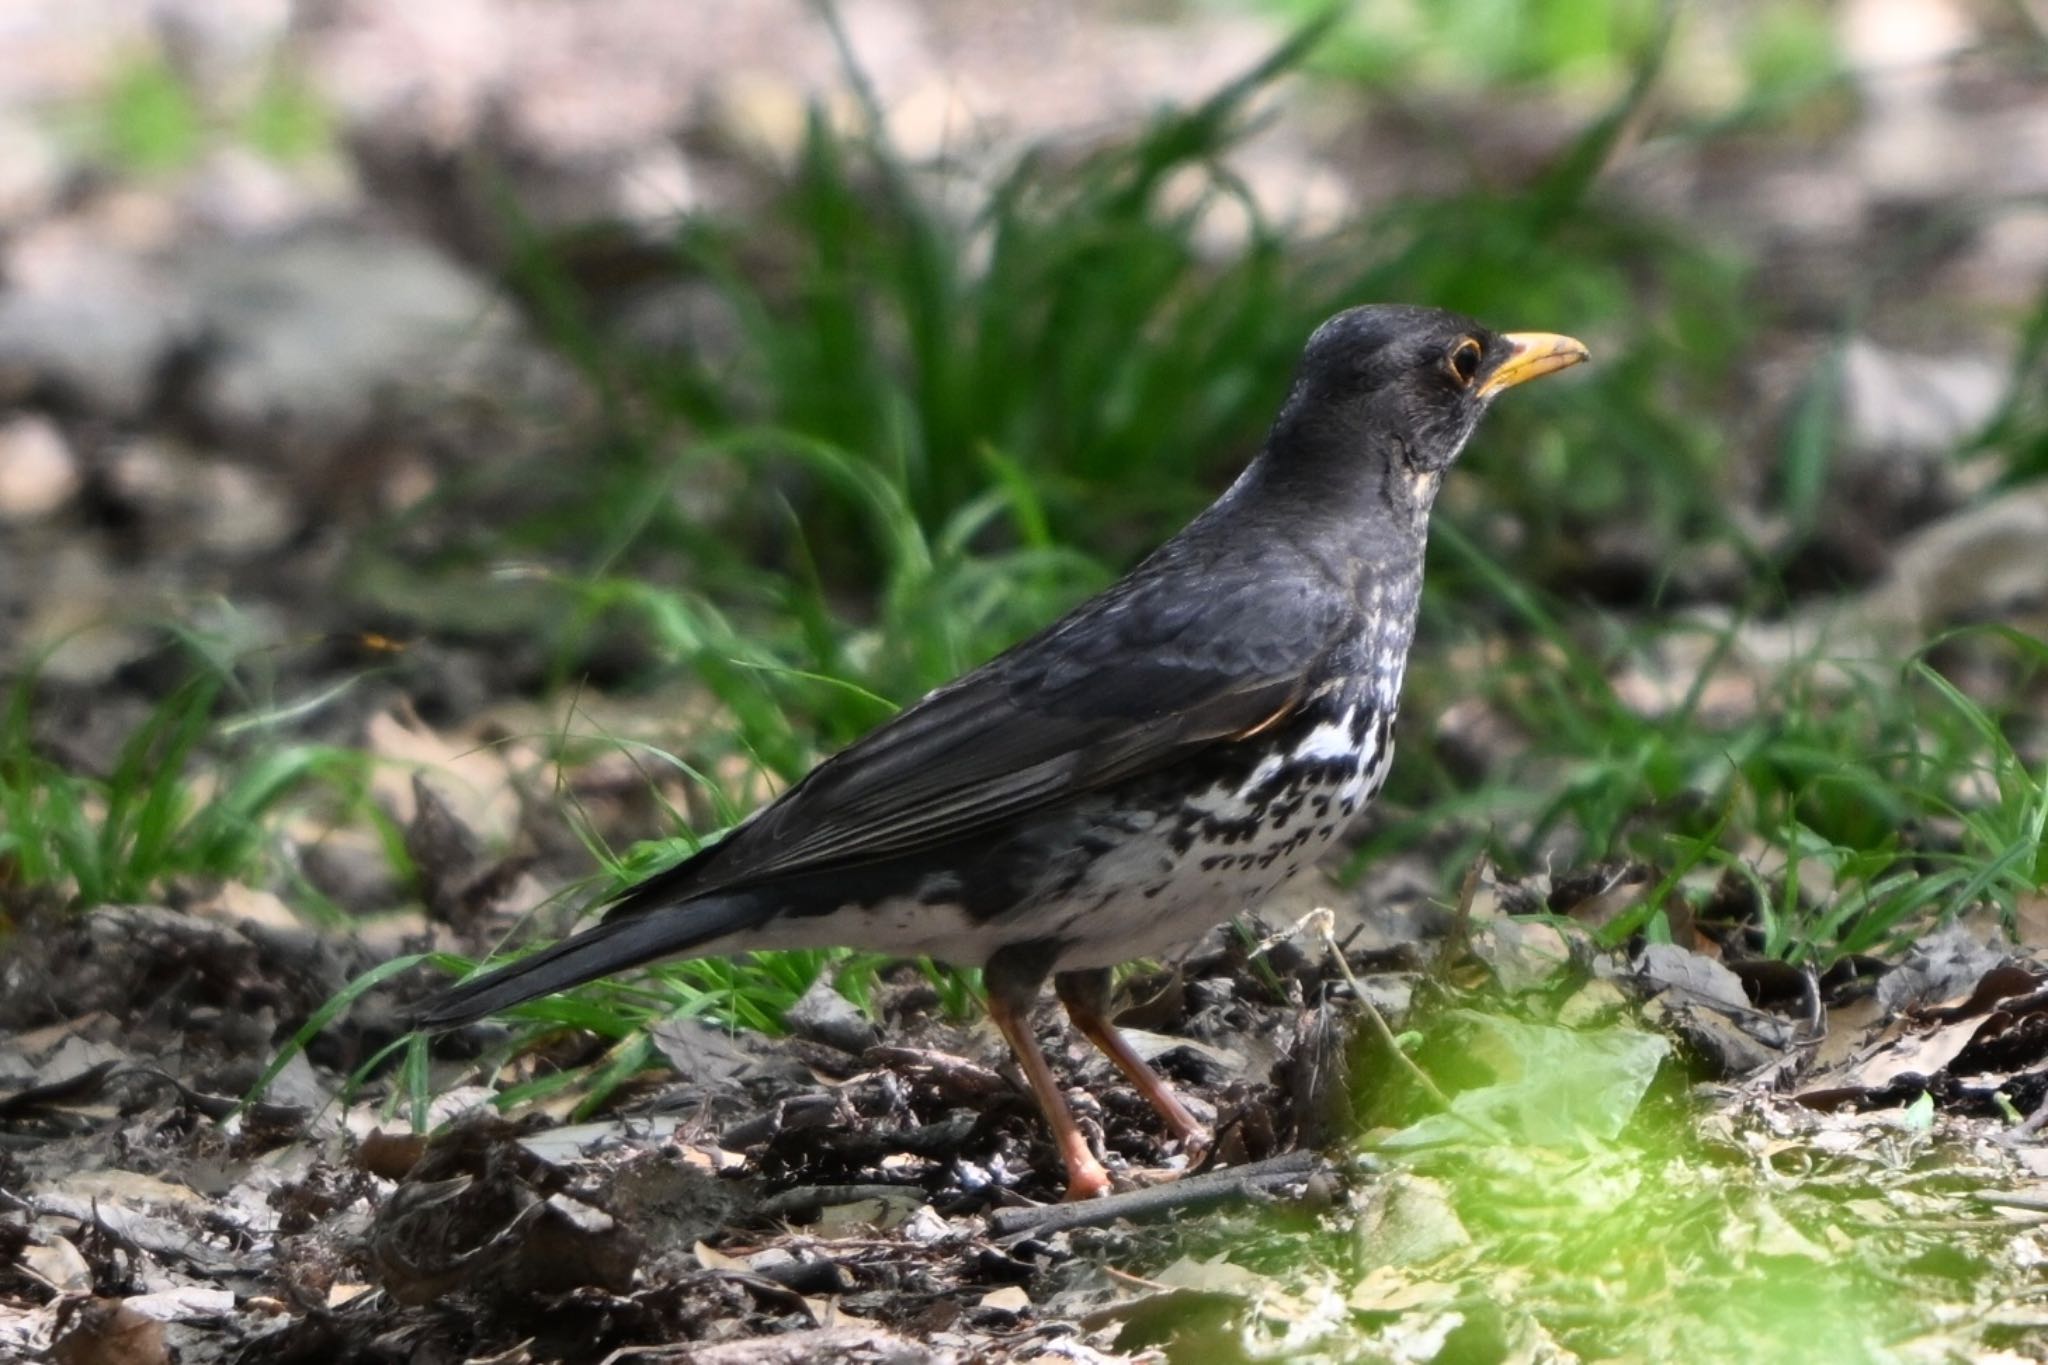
<point>307,329</point>
<point>825,1016</point>
<point>31,173</point>
<point>1925,404</point>
<point>88,318</point>
<point>38,474</point>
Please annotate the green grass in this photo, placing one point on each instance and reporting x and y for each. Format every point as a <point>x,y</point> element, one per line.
<point>1906,796</point>
<point>179,801</point>
<point>150,122</point>
<point>286,120</point>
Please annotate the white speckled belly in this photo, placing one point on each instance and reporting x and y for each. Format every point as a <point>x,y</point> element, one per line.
<point>1238,842</point>
<point>1137,870</point>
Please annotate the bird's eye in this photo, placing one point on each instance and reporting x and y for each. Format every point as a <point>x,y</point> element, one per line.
<point>1463,361</point>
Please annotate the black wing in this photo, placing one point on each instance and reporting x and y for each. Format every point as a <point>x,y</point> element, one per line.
<point>1176,657</point>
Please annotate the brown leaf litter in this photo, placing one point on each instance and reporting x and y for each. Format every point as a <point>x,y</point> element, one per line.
<point>829,1192</point>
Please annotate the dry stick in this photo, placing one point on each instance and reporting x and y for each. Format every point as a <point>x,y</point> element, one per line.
<point>794,1203</point>
<point>1816,1017</point>
<point>1194,1191</point>
<point>1460,938</point>
<point>1323,922</point>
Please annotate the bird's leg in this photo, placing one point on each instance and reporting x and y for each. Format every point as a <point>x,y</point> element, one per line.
<point>1013,977</point>
<point>1086,996</point>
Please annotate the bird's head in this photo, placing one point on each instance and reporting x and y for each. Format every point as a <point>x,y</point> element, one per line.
<point>1402,389</point>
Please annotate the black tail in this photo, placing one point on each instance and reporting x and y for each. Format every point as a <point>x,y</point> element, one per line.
<point>619,942</point>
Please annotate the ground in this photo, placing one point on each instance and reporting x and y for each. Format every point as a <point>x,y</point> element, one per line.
<point>1636,1161</point>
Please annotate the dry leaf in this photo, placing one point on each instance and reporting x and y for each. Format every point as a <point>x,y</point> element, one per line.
<point>108,1332</point>
<point>475,779</point>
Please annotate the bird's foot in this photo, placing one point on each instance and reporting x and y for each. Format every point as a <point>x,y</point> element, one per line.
<point>1086,1183</point>
<point>1086,1175</point>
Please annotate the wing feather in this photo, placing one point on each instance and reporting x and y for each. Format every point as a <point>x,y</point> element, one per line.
<point>1137,678</point>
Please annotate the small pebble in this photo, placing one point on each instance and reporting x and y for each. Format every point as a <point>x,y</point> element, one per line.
<point>38,474</point>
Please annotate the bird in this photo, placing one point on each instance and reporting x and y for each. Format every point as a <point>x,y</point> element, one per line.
<point>1155,762</point>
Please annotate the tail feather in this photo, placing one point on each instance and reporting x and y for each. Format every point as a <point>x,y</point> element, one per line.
<point>611,946</point>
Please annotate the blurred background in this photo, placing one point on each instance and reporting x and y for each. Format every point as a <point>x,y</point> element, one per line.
<point>615,404</point>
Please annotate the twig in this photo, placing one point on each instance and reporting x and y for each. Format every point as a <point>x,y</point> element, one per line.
<point>1459,941</point>
<point>809,1199</point>
<point>1324,922</point>
<point>1816,1017</point>
<point>1189,1192</point>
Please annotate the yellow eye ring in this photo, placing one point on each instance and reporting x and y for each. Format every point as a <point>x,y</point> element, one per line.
<point>1463,361</point>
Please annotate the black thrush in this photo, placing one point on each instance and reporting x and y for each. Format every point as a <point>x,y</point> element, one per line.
<point>1156,761</point>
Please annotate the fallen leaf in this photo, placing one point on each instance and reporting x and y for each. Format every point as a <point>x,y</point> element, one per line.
<point>1667,967</point>
<point>711,1258</point>
<point>1390,1289</point>
<point>863,1215</point>
<point>1522,955</point>
<point>1556,1086</point>
<point>108,1332</point>
<point>127,1188</point>
<point>184,1303</point>
<point>1409,1220</point>
<point>59,1265</point>
<point>1216,1276</point>
<point>476,782</point>
<point>2030,919</point>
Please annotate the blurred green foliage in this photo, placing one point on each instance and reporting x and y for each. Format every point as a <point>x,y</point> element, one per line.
<point>286,120</point>
<point>151,120</point>
<point>1581,1201</point>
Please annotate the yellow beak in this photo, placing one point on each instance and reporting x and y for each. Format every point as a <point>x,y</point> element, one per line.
<point>1535,355</point>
